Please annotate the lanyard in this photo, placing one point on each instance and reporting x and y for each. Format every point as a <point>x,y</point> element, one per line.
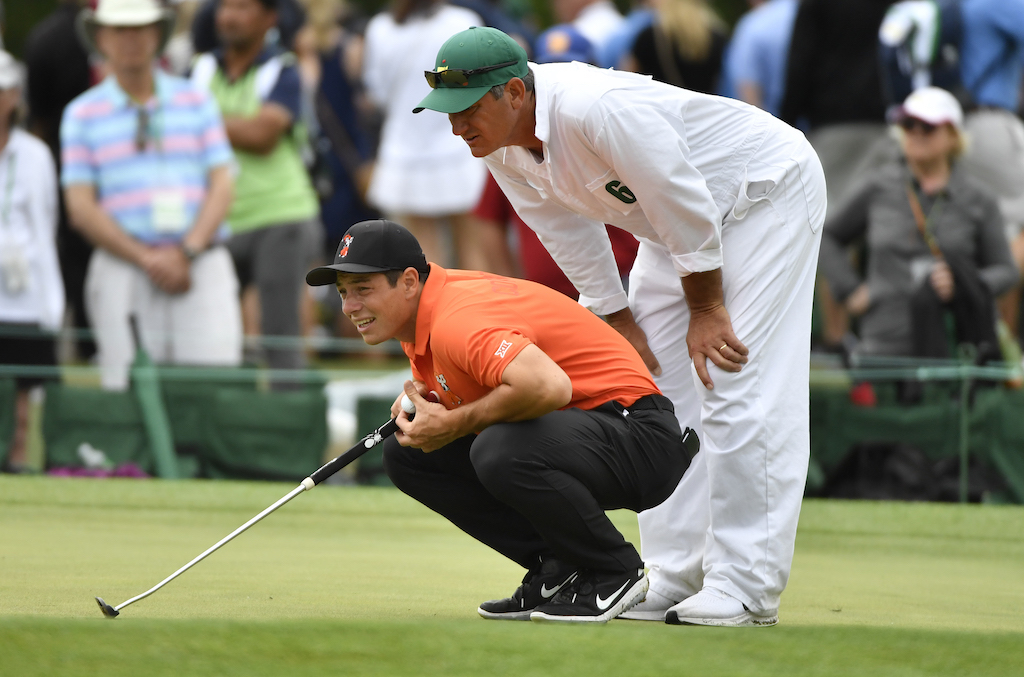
<point>922,221</point>
<point>150,126</point>
<point>5,211</point>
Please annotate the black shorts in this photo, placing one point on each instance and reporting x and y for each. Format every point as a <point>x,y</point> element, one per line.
<point>27,345</point>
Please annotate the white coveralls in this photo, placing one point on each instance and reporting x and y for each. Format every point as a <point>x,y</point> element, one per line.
<point>704,183</point>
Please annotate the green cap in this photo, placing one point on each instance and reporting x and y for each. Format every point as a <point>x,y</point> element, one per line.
<point>477,47</point>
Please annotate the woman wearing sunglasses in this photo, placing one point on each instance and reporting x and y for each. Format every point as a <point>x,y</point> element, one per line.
<point>933,242</point>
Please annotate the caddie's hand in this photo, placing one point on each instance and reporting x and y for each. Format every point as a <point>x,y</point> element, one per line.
<point>710,337</point>
<point>622,321</point>
<point>431,429</point>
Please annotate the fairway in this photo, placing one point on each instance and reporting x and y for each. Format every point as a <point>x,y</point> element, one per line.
<point>364,581</point>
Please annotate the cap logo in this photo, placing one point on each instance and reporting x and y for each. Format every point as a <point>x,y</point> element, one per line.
<point>346,241</point>
<point>442,68</point>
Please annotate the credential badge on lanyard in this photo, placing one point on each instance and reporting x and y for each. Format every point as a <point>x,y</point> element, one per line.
<point>13,265</point>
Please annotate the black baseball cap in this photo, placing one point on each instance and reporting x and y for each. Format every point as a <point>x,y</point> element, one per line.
<point>371,247</point>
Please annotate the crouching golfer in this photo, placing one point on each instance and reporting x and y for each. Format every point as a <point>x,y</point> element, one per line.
<point>546,418</point>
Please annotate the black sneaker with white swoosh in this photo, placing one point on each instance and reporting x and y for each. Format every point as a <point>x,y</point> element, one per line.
<point>540,584</point>
<point>594,597</point>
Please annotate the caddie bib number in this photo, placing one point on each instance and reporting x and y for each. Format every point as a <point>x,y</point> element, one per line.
<point>620,191</point>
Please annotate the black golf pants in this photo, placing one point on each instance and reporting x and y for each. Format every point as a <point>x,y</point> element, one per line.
<point>541,487</point>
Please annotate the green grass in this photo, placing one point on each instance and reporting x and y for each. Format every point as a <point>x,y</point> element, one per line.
<point>367,582</point>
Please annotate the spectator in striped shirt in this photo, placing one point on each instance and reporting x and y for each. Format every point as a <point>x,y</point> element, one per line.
<point>147,179</point>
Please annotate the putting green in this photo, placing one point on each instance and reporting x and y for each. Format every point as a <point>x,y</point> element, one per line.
<point>366,581</point>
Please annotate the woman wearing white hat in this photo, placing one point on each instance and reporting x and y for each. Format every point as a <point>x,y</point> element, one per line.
<point>31,289</point>
<point>934,242</point>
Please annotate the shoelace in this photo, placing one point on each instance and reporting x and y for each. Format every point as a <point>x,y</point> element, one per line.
<point>582,584</point>
<point>528,581</point>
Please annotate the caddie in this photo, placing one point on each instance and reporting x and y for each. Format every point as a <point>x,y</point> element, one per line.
<point>727,203</point>
<point>542,418</point>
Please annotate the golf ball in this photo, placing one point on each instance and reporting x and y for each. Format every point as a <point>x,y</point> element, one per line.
<point>407,405</point>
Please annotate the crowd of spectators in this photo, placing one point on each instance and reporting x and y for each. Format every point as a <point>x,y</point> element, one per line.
<point>209,151</point>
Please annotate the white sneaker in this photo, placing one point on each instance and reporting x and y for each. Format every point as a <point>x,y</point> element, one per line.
<point>713,607</point>
<point>651,609</point>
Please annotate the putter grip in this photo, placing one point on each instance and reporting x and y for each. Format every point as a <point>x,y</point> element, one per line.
<point>336,464</point>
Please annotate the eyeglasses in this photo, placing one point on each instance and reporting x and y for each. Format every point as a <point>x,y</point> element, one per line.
<point>460,76</point>
<point>911,124</point>
<point>142,130</point>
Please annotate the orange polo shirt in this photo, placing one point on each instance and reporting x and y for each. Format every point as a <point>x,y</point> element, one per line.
<point>471,325</point>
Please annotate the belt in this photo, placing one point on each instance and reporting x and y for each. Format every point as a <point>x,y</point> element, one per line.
<point>690,441</point>
<point>659,402</point>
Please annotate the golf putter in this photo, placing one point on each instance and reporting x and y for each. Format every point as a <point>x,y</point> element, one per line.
<point>325,471</point>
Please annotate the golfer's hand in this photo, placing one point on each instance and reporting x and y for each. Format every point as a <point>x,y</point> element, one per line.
<point>432,428</point>
<point>421,388</point>
<point>622,321</point>
<point>710,337</point>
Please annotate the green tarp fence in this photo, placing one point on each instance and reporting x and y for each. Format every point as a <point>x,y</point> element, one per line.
<point>225,430</point>
<point>7,416</point>
<point>995,428</point>
<point>232,429</point>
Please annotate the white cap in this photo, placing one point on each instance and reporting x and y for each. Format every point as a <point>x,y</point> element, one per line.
<point>933,105</point>
<point>10,71</point>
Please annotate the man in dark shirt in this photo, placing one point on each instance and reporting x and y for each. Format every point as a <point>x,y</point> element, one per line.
<point>58,71</point>
<point>833,87</point>
<point>833,84</point>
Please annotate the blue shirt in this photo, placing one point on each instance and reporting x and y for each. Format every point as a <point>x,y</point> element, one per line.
<point>620,42</point>
<point>758,51</point>
<point>153,193</point>
<point>993,50</point>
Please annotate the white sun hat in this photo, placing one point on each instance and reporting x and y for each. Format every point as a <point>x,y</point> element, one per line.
<point>125,13</point>
<point>933,105</point>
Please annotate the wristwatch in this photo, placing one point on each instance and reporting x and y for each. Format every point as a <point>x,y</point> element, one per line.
<point>190,253</point>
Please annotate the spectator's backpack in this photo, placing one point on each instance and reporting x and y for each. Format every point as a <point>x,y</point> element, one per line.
<point>919,46</point>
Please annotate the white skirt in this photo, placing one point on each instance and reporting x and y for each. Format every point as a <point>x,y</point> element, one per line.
<point>422,187</point>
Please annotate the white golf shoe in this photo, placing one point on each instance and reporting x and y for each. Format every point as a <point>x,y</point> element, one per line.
<point>713,607</point>
<point>651,609</point>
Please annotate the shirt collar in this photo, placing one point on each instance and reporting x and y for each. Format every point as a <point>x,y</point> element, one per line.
<point>425,311</point>
<point>956,184</point>
<point>120,98</point>
<point>957,180</point>
<point>542,128</point>
<point>266,54</point>
<point>541,125</point>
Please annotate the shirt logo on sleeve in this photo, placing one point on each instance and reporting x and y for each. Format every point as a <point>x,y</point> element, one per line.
<point>503,348</point>
<point>620,191</point>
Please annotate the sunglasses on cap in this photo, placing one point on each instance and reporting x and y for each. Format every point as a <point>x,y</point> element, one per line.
<point>460,76</point>
<point>910,124</point>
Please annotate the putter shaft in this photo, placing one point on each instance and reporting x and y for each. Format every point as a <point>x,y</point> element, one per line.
<point>325,471</point>
<point>209,551</point>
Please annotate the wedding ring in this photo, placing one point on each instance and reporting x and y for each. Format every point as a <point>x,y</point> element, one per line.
<point>724,346</point>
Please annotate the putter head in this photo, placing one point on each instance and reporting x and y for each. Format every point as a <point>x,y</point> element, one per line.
<point>108,611</point>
